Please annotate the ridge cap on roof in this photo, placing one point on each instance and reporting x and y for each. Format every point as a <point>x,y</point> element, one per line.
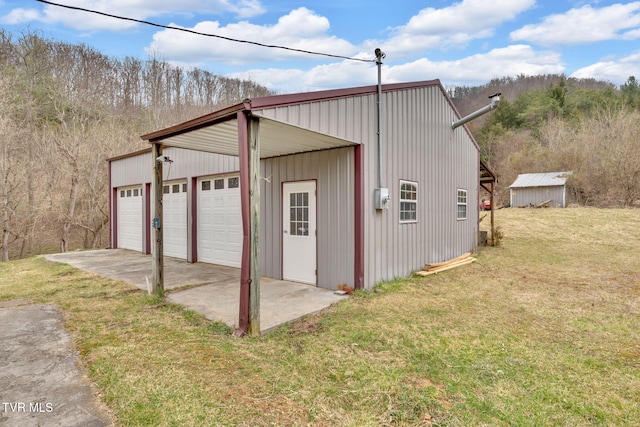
<point>303,97</point>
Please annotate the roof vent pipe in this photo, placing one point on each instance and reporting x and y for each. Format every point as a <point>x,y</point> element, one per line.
<point>495,100</point>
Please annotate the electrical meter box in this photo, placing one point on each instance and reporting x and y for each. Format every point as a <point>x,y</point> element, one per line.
<point>381,198</point>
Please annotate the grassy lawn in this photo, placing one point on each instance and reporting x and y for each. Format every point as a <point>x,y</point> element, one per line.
<point>543,330</point>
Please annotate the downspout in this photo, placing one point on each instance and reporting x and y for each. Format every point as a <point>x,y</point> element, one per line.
<point>380,55</point>
<point>495,100</point>
<point>381,195</point>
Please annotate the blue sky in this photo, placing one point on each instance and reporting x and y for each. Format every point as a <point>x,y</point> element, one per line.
<point>465,42</point>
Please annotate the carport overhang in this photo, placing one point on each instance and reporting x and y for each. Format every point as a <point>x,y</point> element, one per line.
<point>243,131</point>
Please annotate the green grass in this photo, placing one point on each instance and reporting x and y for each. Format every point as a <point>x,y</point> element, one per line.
<point>542,330</point>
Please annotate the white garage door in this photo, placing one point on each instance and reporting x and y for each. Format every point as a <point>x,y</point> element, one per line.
<point>219,221</point>
<point>130,218</point>
<point>174,218</point>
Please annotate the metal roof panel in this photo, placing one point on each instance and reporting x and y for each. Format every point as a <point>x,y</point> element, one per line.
<point>548,179</point>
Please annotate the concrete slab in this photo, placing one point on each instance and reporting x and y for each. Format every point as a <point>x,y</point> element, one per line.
<point>41,383</point>
<point>280,301</point>
<point>134,268</point>
<point>218,295</point>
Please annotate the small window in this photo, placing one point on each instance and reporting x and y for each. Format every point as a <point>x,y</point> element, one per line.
<point>184,187</point>
<point>206,185</point>
<point>121,193</point>
<point>233,182</point>
<point>175,188</point>
<point>462,204</point>
<point>135,192</point>
<point>299,214</point>
<point>165,189</point>
<point>128,193</point>
<point>408,201</point>
<point>218,184</point>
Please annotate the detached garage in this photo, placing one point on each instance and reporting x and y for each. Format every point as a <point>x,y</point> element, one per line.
<point>336,203</point>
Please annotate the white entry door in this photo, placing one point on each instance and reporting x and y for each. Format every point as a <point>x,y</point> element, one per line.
<point>299,232</point>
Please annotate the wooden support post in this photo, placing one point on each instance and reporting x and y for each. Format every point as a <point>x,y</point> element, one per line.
<point>245,268</point>
<point>157,255</point>
<point>491,200</point>
<point>254,193</point>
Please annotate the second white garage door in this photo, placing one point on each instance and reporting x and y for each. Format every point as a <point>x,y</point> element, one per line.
<point>219,221</point>
<point>174,213</point>
<point>130,218</point>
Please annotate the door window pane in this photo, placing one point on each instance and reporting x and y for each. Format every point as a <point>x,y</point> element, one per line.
<point>299,214</point>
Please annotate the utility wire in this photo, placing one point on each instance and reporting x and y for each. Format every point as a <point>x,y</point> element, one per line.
<point>169,27</point>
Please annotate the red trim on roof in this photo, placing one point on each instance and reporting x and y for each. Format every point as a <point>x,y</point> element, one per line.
<point>219,116</point>
<point>133,154</point>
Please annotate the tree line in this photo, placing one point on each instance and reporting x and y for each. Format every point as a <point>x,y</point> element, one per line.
<point>558,124</point>
<point>65,109</point>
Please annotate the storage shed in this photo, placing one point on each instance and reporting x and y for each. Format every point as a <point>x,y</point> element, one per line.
<point>337,204</point>
<point>533,189</point>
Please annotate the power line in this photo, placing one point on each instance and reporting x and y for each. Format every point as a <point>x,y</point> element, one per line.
<point>169,27</point>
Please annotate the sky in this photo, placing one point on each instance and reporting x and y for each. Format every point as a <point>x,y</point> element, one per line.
<point>461,43</point>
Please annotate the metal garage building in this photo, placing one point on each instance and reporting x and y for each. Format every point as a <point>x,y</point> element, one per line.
<point>533,189</point>
<point>324,177</point>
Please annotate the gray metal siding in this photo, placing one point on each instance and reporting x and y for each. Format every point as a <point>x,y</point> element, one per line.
<point>419,145</point>
<point>536,195</point>
<point>333,171</point>
<point>186,163</point>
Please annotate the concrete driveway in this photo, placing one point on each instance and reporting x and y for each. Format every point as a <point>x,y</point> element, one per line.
<point>41,383</point>
<point>217,295</point>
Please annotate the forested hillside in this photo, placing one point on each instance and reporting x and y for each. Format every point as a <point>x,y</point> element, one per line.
<point>65,109</point>
<point>554,123</point>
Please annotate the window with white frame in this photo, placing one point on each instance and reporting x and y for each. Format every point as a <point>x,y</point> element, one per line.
<point>408,202</point>
<point>462,204</point>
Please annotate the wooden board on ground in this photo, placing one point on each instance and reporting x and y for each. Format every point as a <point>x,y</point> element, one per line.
<point>440,264</point>
<point>450,266</point>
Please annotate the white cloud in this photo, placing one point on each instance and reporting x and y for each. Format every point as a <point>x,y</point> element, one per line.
<point>475,69</point>
<point>327,76</point>
<point>481,68</point>
<point>452,26</point>
<point>616,72</point>
<point>584,25</point>
<point>141,9</point>
<point>300,29</point>
<point>20,16</point>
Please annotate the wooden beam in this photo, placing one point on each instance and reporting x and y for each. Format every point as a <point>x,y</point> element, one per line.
<point>254,240</point>
<point>157,254</point>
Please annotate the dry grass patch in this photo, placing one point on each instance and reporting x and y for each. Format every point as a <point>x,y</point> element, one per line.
<point>542,330</point>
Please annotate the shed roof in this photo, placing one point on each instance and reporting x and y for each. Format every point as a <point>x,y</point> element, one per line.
<point>548,179</point>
